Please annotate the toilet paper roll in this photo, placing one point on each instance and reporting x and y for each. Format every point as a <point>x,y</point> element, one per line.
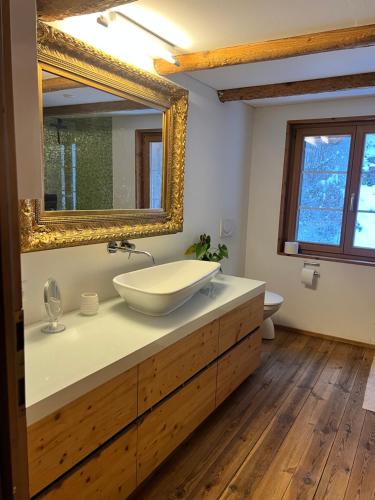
<point>291,247</point>
<point>307,276</point>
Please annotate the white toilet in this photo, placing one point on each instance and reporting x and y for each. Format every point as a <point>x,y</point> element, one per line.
<point>272,303</point>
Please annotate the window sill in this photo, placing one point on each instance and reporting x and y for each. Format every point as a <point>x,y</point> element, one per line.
<point>330,259</point>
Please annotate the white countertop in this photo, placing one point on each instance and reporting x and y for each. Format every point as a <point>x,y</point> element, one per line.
<point>93,349</point>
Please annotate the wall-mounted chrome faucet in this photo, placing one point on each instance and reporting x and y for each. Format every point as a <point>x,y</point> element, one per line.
<point>127,247</point>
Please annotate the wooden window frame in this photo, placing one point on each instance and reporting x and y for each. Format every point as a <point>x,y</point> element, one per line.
<point>357,127</point>
<point>143,138</point>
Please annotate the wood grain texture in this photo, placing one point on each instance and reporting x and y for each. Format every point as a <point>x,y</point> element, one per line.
<point>297,419</point>
<point>62,439</point>
<point>50,10</point>
<point>335,478</point>
<point>261,456</point>
<point>111,474</point>
<point>299,462</point>
<point>314,86</point>
<point>162,430</point>
<point>60,83</point>
<point>269,50</point>
<point>362,480</point>
<point>238,323</point>
<point>237,364</point>
<point>208,461</point>
<point>159,375</point>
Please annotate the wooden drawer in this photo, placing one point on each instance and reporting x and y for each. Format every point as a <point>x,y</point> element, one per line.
<point>111,473</point>
<point>60,440</point>
<point>237,364</point>
<point>163,373</point>
<point>238,323</point>
<point>162,430</point>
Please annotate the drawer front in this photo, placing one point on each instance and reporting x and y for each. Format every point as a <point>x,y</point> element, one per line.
<point>111,473</point>
<point>62,439</point>
<point>237,364</point>
<point>162,430</point>
<point>238,323</point>
<point>163,373</point>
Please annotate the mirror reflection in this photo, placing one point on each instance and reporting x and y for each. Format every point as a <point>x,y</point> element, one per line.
<point>101,151</point>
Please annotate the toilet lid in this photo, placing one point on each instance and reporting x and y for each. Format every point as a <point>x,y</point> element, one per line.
<point>272,299</point>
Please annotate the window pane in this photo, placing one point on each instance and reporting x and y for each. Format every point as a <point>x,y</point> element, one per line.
<point>156,151</point>
<point>368,164</point>
<point>319,226</point>
<point>364,236</point>
<point>322,190</point>
<point>367,192</point>
<point>326,153</point>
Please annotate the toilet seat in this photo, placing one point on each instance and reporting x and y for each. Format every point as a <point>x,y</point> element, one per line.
<point>273,299</point>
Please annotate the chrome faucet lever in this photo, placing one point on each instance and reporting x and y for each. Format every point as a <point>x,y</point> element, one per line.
<point>126,247</point>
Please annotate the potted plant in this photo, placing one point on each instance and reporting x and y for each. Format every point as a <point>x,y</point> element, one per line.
<point>202,250</point>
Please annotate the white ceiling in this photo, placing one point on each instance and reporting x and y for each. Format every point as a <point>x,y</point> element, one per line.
<point>196,25</point>
<point>86,95</point>
<point>210,24</point>
<point>220,23</point>
<point>80,95</point>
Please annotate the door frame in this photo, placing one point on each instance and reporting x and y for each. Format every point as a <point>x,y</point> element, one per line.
<point>13,434</point>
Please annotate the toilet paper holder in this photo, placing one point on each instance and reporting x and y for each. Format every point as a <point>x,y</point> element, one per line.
<point>314,264</point>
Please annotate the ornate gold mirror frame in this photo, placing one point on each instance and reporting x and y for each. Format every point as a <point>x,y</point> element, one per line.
<point>67,56</point>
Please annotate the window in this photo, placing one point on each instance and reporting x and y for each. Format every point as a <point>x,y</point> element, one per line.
<point>328,200</point>
<point>149,168</point>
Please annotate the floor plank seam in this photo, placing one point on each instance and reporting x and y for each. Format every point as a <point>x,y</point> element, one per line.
<point>242,462</point>
<point>311,392</point>
<point>358,442</point>
<point>279,410</point>
<point>338,428</point>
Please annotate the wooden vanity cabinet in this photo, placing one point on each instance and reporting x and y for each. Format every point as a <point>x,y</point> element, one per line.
<point>60,440</point>
<point>237,364</point>
<point>114,437</point>
<point>171,422</point>
<point>239,322</point>
<point>109,473</point>
<point>159,375</point>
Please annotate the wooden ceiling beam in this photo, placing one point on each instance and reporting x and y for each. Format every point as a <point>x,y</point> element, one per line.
<point>94,107</point>
<point>312,43</point>
<point>314,86</point>
<point>59,83</point>
<point>52,10</point>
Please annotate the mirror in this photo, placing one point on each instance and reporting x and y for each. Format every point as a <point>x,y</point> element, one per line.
<point>113,157</point>
<point>53,305</point>
<point>101,151</point>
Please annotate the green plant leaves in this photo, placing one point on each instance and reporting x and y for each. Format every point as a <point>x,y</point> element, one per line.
<point>191,249</point>
<point>223,250</point>
<point>201,250</point>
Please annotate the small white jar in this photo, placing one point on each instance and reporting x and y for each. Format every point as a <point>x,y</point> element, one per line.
<point>89,303</point>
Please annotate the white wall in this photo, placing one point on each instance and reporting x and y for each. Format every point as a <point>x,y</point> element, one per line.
<point>343,304</point>
<point>216,168</point>
<point>123,154</point>
<point>215,185</point>
<point>25,92</point>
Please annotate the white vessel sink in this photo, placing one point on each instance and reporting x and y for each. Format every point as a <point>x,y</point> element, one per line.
<point>159,290</point>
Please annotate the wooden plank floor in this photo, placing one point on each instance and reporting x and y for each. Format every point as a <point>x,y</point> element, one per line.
<point>295,429</point>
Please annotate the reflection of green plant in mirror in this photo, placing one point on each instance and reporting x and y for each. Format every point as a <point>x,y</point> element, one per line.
<point>201,249</point>
<point>78,162</point>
